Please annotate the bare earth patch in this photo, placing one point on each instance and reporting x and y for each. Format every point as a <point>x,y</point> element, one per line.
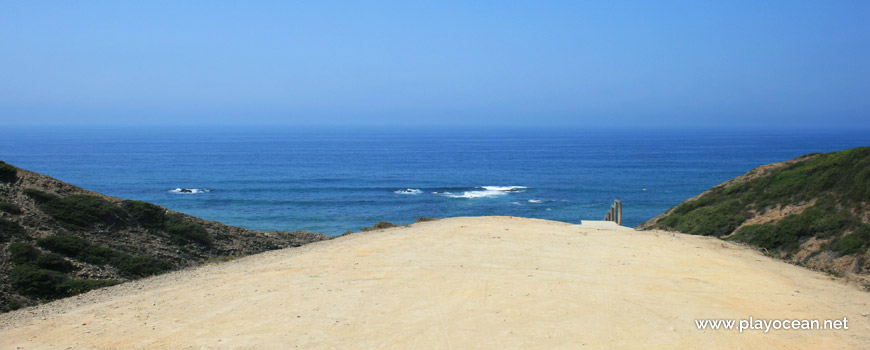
<point>490,282</point>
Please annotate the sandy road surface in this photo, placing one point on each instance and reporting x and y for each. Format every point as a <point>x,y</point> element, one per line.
<point>462,283</point>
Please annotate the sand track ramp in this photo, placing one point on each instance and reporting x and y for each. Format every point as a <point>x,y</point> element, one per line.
<point>462,283</point>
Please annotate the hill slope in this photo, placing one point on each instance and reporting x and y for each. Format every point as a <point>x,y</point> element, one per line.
<point>462,283</point>
<point>813,210</point>
<point>58,240</point>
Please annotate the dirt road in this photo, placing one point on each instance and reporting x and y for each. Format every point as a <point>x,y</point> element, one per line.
<point>462,283</point>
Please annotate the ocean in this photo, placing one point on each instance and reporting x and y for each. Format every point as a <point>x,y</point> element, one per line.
<point>338,179</point>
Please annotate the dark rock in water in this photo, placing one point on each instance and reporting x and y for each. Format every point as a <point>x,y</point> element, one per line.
<point>186,190</point>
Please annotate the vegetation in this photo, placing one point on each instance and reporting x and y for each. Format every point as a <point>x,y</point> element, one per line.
<point>80,211</point>
<point>129,265</point>
<point>64,244</point>
<point>787,233</point>
<point>838,182</point>
<point>855,242</point>
<point>38,196</point>
<point>379,226</point>
<point>22,253</point>
<point>182,231</point>
<point>10,208</point>
<point>54,262</point>
<point>9,229</point>
<point>8,173</point>
<point>146,214</point>
<point>46,284</point>
<point>44,268</point>
<point>33,281</point>
<point>707,217</point>
<point>425,219</point>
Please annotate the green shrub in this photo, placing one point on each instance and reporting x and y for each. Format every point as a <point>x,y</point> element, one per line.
<point>22,253</point>
<point>705,218</point>
<point>766,236</point>
<point>98,254</point>
<point>78,286</point>
<point>11,305</point>
<point>81,211</point>
<point>855,242</point>
<point>38,196</point>
<point>78,248</point>
<point>182,231</point>
<point>36,282</point>
<point>819,221</point>
<point>146,214</point>
<point>10,229</point>
<point>139,266</point>
<point>840,177</point>
<point>128,265</point>
<point>54,262</point>
<point>10,208</point>
<point>379,226</point>
<point>65,244</point>
<point>8,173</point>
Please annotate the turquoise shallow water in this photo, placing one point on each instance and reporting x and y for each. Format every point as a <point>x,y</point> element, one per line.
<point>332,180</point>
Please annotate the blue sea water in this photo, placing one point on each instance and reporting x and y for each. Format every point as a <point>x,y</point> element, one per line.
<point>332,180</point>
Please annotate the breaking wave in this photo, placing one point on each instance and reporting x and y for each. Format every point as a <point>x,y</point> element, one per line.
<point>190,190</point>
<point>487,191</point>
<point>408,191</point>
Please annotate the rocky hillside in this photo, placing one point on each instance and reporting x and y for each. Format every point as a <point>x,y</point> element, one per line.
<point>813,210</point>
<point>58,240</point>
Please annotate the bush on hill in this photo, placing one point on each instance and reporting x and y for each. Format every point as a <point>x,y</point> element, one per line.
<point>182,231</point>
<point>8,173</point>
<point>128,265</point>
<point>54,262</point>
<point>38,196</point>
<point>33,281</point>
<point>65,244</point>
<point>855,242</point>
<point>838,182</point>
<point>10,208</point>
<point>9,229</point>
<point>787,233</point>
<point>80,211</point>
<point>46,284</point>
<point>146,214</point>
<point>379,226</point>
<point>22,253</point>
<point>706,218</point>
<point>139,266</point>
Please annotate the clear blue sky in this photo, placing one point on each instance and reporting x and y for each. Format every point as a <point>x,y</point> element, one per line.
<point>688,63</point>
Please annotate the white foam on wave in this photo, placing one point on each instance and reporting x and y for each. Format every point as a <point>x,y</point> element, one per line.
<point>190,190</point>
<point>504,188</point>
<point>475,194</point>
<point>488,191</point>
<point>408,191</point>
<point>535,201</point>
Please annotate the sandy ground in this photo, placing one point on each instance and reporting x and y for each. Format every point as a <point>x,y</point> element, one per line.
<point>462,283</point>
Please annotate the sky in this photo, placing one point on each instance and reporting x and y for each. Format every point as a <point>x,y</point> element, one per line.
<point>800,64</point>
